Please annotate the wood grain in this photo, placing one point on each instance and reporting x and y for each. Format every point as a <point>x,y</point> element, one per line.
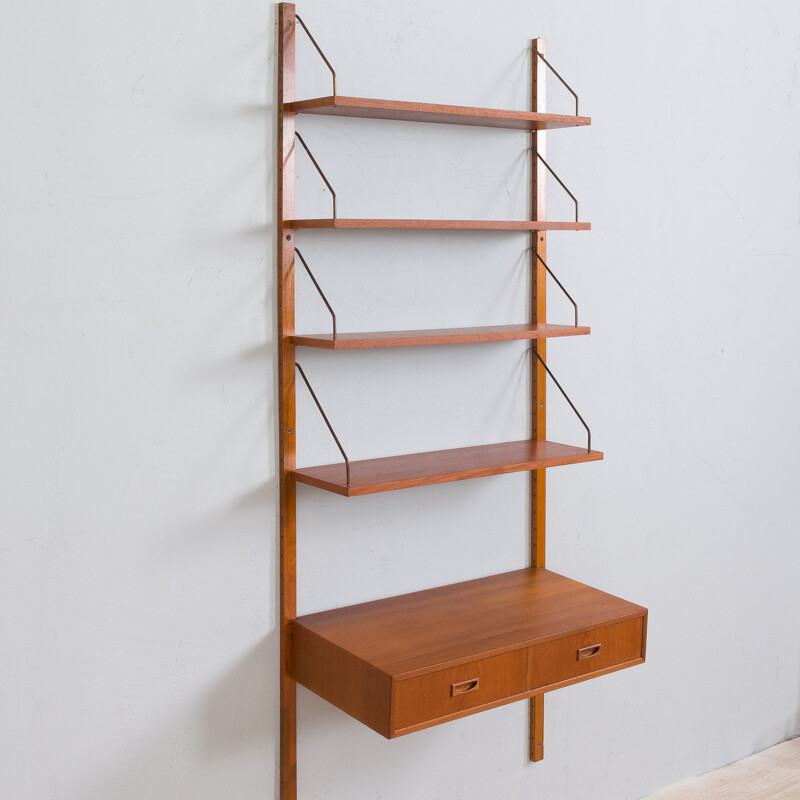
<point>440,224</point>
<point>340,106</point>
<point>447,635</point>
<point>342,678</point>
<point>441,466</point>
<point>557,663</point>
<point>415,338</point>
<point>430,696</point>
<point>412,634</point>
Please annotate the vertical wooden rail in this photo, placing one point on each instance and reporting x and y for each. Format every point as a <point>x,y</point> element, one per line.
<point>538,375</point>
<point>286,390</point>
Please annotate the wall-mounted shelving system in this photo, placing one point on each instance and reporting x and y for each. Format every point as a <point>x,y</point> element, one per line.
<point>405,663</point>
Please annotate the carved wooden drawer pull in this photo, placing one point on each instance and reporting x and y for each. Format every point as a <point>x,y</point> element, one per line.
<point>588,652</point>
<point>464,686</point>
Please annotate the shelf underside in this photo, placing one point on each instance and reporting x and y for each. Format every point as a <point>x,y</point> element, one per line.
<point>440,224</point>
<point>489,333</point>
<point>441,466</point>
<point>397,664</point>
<point>338,106</point>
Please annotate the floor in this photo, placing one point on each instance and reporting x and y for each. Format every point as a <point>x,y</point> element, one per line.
<point>772,774</point>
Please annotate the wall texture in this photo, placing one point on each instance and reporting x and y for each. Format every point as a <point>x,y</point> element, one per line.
<point>138,472</point>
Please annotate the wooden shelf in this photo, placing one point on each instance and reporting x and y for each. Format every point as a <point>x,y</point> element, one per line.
<point>440,224</point>
<point>338,106</point>
<point>441,466</point>
<point>490,333</point>
<point>409,662</point>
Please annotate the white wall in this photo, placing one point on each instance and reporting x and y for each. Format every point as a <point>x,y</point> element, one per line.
<point>137,296</point>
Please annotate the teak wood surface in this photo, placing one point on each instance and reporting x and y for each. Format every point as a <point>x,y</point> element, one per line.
<point>431,112</point>
<point>441,466</point>
<point>488,333</point>
<point>393,663</point>
<point>440,224</point>
<point>538,375</point>
<point>286,399</point>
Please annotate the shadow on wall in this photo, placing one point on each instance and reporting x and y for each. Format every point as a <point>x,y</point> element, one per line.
<point>245,514</point>
<point>193,754</point>
<point>234,713</point>
<point>790,731</point>
<point>795,728</point>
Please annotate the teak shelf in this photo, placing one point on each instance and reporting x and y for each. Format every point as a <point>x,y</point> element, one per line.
<point>488,333</point>
<point>338,106</point>
<point>442,466</point>
<point>440,224</point>
<point>405,663</point>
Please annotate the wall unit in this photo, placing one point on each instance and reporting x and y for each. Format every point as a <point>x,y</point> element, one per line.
<point>405,663</point>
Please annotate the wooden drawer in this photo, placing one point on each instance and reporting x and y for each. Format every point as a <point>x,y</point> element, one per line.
<point>580,656</point>
<point>439,695</point>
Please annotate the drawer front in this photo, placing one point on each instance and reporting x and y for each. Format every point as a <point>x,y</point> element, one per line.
<point>449,691</point>
<point>584,653</point>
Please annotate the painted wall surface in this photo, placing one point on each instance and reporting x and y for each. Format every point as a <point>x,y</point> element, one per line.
<point>138,362</point>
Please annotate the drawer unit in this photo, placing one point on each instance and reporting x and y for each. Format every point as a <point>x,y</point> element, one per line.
<point>443,694</point>
<point>583,655</point>
<point>405,663</point>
